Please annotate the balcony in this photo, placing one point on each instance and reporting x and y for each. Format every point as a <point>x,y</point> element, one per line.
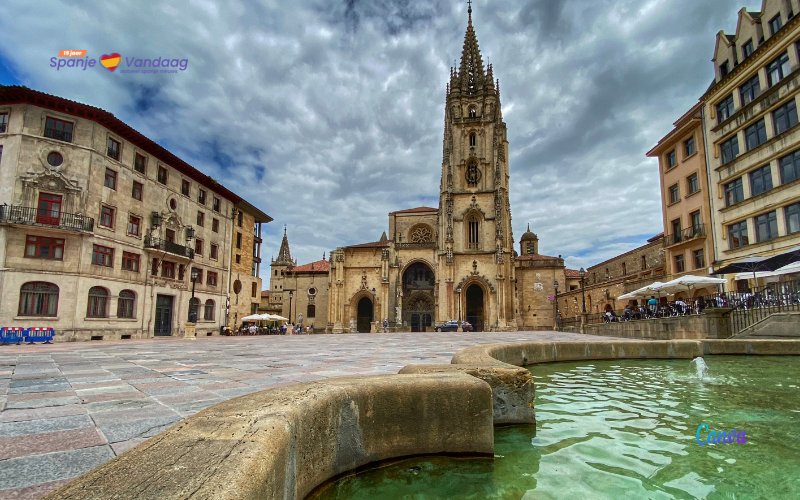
<point>31,216</point>
<point>169,247</point>
<point>688,234</point>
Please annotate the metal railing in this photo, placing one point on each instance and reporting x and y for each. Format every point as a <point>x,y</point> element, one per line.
<point>750,307</point>
<point>168,246</point>
<point>15,214</point>
<point>687,234</point>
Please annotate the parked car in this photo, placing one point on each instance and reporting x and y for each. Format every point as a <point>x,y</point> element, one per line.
<point>452,326</point>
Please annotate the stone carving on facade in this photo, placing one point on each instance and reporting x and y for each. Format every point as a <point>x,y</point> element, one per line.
<point>421,233</point>
<point>53,181</point>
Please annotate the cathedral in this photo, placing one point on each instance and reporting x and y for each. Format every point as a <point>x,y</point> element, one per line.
<point>456,261</point>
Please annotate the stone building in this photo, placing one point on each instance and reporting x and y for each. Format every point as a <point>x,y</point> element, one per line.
<point>456,260</point>
<point>246,241</point>
<point>753,141</point>
<point>102,229</point>
<point>685,200</point>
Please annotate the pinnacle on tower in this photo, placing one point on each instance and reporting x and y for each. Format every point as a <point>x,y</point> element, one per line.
<point>284,255</point>
<point>470,72</point>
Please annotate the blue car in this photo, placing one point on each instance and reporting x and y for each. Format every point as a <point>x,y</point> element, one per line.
<point>452,326</point>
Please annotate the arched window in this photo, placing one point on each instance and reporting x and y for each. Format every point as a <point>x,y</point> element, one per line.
<point>37,298</point>
<point>472,139</point>
<point>208,311</point>
<point>311,311</point>
<point>98,303</point>
<point>421,233</point>
<point>194,305</point>
<point>126,304</point>
<point>473,112</point>
<point>473,227</point>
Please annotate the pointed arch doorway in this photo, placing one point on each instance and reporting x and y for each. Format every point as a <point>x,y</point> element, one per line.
<point>365,312</point>
<point>418,302</point>
<point>474,306</point>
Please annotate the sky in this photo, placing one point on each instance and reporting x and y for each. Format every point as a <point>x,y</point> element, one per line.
<point>328,115</point>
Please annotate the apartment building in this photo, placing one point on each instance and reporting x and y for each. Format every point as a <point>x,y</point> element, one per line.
<point>104,234</point>
<point>752,139</point>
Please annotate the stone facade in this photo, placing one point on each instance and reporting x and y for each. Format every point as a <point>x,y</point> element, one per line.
<point>101,228</point>
<point>456,261</point>
<point>245,245</point>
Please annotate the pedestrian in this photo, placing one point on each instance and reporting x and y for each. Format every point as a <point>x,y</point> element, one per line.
<point>652,304</point>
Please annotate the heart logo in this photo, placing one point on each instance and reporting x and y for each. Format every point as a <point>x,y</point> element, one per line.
<point>110,61</point>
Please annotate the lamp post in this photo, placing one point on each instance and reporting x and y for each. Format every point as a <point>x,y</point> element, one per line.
<point>582,273</point>
<point>555,305</point>
<point>192,305</point>
<point>291,294</point>
<point>458,297</point>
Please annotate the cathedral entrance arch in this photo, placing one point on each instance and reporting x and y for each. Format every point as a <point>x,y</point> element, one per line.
<point>364,315</point>
<point>475,307</point>
<point>418,285</point>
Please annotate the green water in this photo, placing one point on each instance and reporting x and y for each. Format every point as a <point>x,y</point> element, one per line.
<point>624,429</point>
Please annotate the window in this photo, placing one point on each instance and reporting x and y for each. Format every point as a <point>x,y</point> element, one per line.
<point>167,269</point>
<point>679,264</point>
<point>170,235</point>
<point>749,90</point>
<point>644,262</point>
<point>775,24</point>
<point>162,175</point>
<point>737,235</point>
<point>473,227</point>
<point>201,218</point>
<point>729,149</point>
<point>472,139</point>
<point>58,129</point>
<point>48,209</point>
<point>102,256</point>
<point>140,163</point>
<point>677,231</point>
<point>790,167</point>
<point>215,225</point>
<point>792,218</point>
<point>208,310</point>
<point>692,184</point>
<point>747,49</point>
<point>755,135</point>
<point>199,275</point>
<point>112,148</point>
<point>697,222</point>
<point>201,196</point>
<point>472,112</point>
<point>106,216</point>
<point>130,261</point>
<point>55,159</point>
<point>126,303</point>
<point>311,311</point>
<point>198,246</point>
<point>40,247</point>
<point>254,289</point>
<point>778,69</point>
<point>98,303</point>
<point>239,240</point>
<point>211,278</point>
<point>215,204</point>
<point>137,190</point>
<point>185,187</point>
<point>689,147</point>
<point>766,226</point>
<point>699,259</point>
<point>671,159</point>
<point>214,252</point>
<point>110,179</point>
<point>238,259</point>
<point>239,218</point>
<point>134,225</point>
<point>3,122</point>
<point>734,192</point>
<point>785,117</point>
<point>760,180</point>
<point>725,109</point>
<point>724,69</point>
<point>38,298</point>
<point>194,305</point>
<point>674,194</point>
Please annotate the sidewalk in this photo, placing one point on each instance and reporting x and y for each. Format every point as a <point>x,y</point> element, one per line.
<point>66,408</point>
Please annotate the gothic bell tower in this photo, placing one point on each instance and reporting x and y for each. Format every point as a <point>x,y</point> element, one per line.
<point>475,238</point>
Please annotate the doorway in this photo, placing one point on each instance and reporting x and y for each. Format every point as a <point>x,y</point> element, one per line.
<point>164,305</point>
<point>364,315</point>
<point>49,209</point>
<point>419,282</point>
<point>475,307</point>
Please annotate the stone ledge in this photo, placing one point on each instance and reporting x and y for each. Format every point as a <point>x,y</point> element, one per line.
<point>284,442</point>
<point>763,347</point>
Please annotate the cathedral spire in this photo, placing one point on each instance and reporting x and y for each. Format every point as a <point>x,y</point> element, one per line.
<point>470,72</point>
<point>284,255</point>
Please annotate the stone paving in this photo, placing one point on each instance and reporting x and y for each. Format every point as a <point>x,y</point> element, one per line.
<point>66,408</point>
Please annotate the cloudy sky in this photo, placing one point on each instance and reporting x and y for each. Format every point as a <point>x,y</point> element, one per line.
<point>327,114</point>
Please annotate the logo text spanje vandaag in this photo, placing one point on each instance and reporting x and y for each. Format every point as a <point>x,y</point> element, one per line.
<point>78,59</point>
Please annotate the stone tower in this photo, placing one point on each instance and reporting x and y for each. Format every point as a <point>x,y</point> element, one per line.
<point>279,266</point>
<point>475,241</point>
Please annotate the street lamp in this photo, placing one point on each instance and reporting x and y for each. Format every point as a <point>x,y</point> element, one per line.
<point>291,294</point>
<point>582,273</point>
<point>458,295</point>
<point>555,304</point>
<point>192,305</point>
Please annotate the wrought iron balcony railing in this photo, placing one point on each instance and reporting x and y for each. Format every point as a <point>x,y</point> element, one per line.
<point>687,234</point>
<point>168,246</point>
<point>15,214</point>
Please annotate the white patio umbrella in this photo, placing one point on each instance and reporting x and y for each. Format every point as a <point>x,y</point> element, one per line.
<point>687,283</point>
<point>252,317</point>
<point>275,317</point>
<point>640,293</point>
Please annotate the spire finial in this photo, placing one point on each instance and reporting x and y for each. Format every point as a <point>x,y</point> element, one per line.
<point>284,229</point>
<point>529,226</point>
<point>469,10</point>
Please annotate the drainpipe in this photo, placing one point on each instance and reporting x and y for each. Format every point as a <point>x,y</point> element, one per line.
<point>711,212</point>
